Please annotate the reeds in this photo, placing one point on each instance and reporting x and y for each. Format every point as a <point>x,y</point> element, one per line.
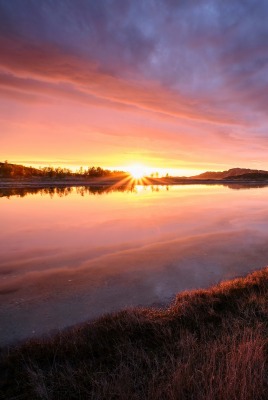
<point>209,344</point>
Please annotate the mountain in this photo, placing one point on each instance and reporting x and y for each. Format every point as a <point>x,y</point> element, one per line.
<point>233,173</point>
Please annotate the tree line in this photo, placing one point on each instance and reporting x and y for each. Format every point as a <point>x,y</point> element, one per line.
<point>8,170</point>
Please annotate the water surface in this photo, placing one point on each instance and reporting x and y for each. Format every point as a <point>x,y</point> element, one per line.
<point>71,254</point>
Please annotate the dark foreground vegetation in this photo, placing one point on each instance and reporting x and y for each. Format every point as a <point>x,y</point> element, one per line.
<point>210,344</point>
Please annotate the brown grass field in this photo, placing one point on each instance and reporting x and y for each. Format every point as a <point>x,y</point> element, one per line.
<point>209,344</point>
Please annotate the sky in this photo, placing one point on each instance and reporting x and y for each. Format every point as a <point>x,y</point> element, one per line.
<point>179,86</point>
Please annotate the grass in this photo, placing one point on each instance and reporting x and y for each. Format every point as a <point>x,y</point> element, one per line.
<point>209,344</point>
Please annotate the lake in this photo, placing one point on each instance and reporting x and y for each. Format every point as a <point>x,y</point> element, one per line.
<point>72,254</point>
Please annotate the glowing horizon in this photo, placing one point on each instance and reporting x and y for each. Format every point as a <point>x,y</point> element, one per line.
<point>134,83</point>
<point>148,170</point>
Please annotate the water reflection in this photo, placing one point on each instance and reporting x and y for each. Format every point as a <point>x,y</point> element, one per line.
<point>84,253</point>
<point>64,191</point>
<point>239,186</point>
<point>54,191</point>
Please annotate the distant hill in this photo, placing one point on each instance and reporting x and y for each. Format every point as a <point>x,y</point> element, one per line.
<point>252,176</point>
<point>14,170</point>
<point>234,173</point>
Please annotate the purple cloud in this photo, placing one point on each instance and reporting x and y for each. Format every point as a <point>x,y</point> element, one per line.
<point>201,60</point>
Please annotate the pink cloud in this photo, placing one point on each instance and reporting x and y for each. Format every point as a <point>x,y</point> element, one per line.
<point>91,84</point>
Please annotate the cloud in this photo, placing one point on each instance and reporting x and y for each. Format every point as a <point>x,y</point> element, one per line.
<point>87,83</point>
<point>194,62</point>
<point>170,57</point>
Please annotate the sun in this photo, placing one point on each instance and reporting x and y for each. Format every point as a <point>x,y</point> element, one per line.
<point>137,171</point>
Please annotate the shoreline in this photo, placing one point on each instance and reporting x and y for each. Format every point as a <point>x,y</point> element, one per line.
<point>99,182</point>
<point>209,338</point>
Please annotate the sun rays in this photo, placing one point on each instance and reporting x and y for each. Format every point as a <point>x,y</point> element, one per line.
<point>137,171</point>
<point>136,175</point>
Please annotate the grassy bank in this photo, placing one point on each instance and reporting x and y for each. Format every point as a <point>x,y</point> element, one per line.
<point>210,344</point>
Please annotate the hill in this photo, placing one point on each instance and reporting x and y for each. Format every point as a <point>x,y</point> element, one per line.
<point>230,173</point>
<point>8,170</point>
<point>252,176</point>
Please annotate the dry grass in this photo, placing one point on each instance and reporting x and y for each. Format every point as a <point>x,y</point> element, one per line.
<point>210,344</point>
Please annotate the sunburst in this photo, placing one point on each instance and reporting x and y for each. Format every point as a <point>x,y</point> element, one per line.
<point>137,171</point>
